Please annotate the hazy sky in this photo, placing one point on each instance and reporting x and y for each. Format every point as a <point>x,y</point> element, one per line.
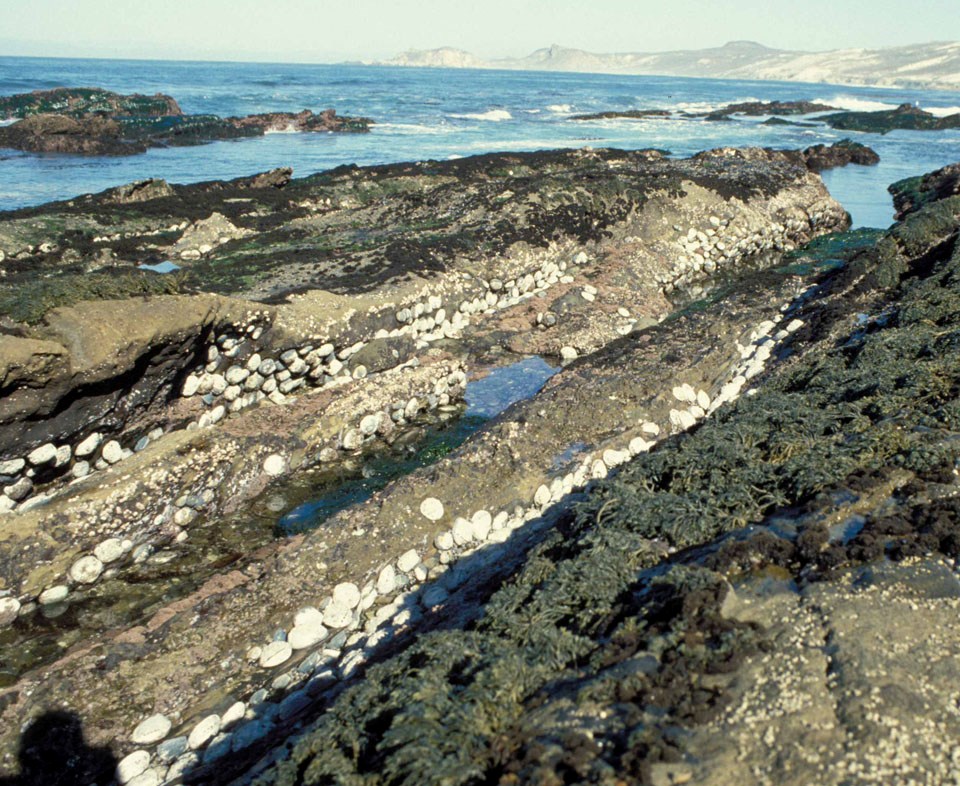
<point>330,30</point>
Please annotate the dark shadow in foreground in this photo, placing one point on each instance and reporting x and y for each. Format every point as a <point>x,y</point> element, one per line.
<point>53,752</point>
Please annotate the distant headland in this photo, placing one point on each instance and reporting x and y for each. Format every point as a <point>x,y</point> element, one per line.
<point>929,66</point>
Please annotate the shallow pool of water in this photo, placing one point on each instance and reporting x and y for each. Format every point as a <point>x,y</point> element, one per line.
<point>333,491</point>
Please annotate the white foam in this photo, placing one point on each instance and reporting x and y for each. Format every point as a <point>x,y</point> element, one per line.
<point>702,107</point>
<point>493,116</point>
<point>852,104</point>
<point>560,109</point>
<point>941,111</point>
<point>9,122</point>
<point>288,129</point>
<point>413,129</point>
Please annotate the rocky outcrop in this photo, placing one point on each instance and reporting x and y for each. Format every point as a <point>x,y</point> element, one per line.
<point>85,101</point>
<point>96,122</point>
<point>141,191</point>
<point>821,157</point>
<point>913,193</point>
<point>328,120</point>
<point>627,114</point>
<point>627,648</point>
<point>200,408</point>
<point>776,108</point>
<point>93,136</point>
<point>905,116</point>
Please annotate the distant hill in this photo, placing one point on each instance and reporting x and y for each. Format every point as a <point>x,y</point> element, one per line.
<point>928,66</point>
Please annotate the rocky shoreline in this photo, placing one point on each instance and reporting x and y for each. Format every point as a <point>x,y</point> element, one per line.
<point>96,122</point>
<point>315,320</point>
<point>905,116</point>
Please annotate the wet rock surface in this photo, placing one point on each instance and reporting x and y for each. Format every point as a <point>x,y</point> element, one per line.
<point>913,193</point>
<point>821,157</point>
<point>92,121</point>
<point>554,595</point>
<point>905,116</point>
<point>626,114</point>
<point>776,108</point>
<point>787,638</point>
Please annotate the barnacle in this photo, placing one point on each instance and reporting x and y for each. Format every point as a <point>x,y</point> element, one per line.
<point>556,681</point>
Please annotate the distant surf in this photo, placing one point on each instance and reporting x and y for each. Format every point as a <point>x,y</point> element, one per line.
<point>493,116</point>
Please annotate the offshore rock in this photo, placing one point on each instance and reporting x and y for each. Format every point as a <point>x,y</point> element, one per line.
<point>627,114</point>
<point>821,157</point>
<point>905,116</point>
<point>97,122</point>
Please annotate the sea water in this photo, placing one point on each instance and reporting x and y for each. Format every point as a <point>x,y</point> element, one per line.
<point>441,114</point>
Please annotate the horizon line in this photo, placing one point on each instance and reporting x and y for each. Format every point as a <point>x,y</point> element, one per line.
<point>380,62</point>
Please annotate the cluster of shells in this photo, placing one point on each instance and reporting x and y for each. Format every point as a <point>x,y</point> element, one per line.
<point>723,243</point>
<point>333,638</point>
<point>238,374</point>
<point>445,385</point>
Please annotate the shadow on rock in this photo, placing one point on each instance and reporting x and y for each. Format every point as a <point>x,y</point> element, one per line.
<point>53,752</point>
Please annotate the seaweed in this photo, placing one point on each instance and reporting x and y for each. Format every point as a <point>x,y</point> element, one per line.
<point>29,301</point>
<point>588,660</point>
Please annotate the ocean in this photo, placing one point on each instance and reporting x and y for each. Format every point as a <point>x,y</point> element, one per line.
<point>439,114</point>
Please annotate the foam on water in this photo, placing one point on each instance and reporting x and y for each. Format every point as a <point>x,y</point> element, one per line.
<point>854,104</point>
<point>493,116</point>
<point>443,114</point>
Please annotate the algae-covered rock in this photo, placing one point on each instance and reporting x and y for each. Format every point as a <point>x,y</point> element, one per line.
<point>81,101</point>
<point>905,116</point>
<point>92,121</point>
<point>602,659</point>
<point>846,151</point>
<point>913,193</point>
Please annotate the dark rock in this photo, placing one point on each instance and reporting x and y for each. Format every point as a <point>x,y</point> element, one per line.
<point>905,116</point>
<point>628,114</point>
<point>92,136</point>
<point>383,353</point>
<point>140,191</point>
<point>88,121</point>
<point>275,178</point>
<point>328,120</point>
<point>913,193</point>
<point>80,101</point>
<point>779,121</point>
<point>780,108</point>
<point>821,157</point>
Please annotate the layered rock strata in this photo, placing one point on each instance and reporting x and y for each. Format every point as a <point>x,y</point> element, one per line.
<point>176,420</point>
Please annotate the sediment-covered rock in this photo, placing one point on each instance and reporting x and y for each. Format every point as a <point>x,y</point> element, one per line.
<point>521,233</point>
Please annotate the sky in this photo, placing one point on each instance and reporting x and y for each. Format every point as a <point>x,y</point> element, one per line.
<point>336,30</point>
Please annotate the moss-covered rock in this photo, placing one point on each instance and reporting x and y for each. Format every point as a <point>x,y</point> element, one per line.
<point>905,116</point>
<point>592,662</point>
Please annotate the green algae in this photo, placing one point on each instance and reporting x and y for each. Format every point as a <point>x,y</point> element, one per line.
<point>79,101</point>
<point>588,659</point>
<point>29,301</point>
<point>904,116</point>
